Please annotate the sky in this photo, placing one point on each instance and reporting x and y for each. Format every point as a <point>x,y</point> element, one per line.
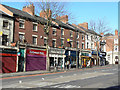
<point>86,11</point>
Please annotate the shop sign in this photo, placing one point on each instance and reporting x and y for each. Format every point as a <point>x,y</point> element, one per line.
<point>84,54</point>
<point>56,51</point>
<point>1,33</point>
<point>94,52</point>
<point>36,52</point>
<point>103,53</point>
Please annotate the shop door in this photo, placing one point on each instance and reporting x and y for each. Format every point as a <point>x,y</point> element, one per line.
<point>21,60</point>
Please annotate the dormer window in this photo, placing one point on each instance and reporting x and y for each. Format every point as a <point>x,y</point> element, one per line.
<point>5,24</point>
<point>21,23</point>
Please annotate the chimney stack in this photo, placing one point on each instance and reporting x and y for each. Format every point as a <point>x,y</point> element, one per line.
<point>44,15</point>
<point>64,18</point>
<point>102,34</point>
<point>85,25</point>
<point>116,32</point>
<point>29,9</point>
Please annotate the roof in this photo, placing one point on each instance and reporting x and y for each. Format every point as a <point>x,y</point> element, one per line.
<point>108,34</point>
<point>23,14</point>
<point>61,24</point>
<point>77,29</point>
<point>89,31</point>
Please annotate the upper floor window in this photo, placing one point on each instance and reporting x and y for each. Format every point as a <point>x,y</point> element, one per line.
<point>62,41</point>
<point>54,43</point>
<point>5,24</point>
<point>4,39</point>
<point>34,27</point>
<point>87,45</point>
<point>62,31</point>
<point>45,41</point>
<point>87,37</point>
<point>71,43</point>
<point>91,45</point>
<point>115,41</point>
<point>21,36</point>
<point>54,31</point>
<point>91,37</point>
<point>77,35</point>
<point>77,44</point>
<point>71,33</point>
<point>21,23</point>
<point>82,45</point>
<point>34,39</point>
<point>82,37</point>
<point>115,48</point>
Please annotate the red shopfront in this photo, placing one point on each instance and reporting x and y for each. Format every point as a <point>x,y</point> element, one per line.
<point>8,60</point>
<point>35,60</point>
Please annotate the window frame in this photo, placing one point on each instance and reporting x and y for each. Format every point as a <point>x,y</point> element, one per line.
<point>23,22</point>
<point>8,26</point>
<point>34,36</point>
<point>36,26</point>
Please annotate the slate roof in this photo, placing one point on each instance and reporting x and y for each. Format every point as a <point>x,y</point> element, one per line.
<point>25,15</point>
<point>77,29</point>
<point>89,30</point>
<point>61,24</point>
<point>108,34</point>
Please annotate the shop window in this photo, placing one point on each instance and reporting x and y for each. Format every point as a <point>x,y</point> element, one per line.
<point>5,24</point>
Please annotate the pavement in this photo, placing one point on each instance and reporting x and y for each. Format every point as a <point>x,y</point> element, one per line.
<point>3,75</point>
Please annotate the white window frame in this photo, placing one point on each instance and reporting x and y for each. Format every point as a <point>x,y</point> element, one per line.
<point>54,29</point>
<point>115,48</point>
<point>36,38</point>
<point>77,35</point>
<point>55,42</point>
<point>44,40</point>
<point>23,22</point>
<point>78,46</point>
<point>83,37</point>
<point>83,44</point>
<point>115,41</point>
<point>61,31</point>
<point>63,41</point>
<point>36,26</point>
<point>8,27</point>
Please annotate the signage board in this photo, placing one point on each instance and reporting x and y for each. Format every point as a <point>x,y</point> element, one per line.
<point>103,53</point>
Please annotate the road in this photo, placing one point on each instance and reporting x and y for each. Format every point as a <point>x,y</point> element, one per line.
<point>99,77</point>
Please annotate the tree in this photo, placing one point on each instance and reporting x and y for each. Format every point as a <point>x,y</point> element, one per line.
<point>50,10</point>
<point>99,26</point>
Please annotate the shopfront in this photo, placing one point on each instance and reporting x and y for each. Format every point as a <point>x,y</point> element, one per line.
<point>85,58</point>
<point>57,57</point>
<point>94,57</point>
<point>35,59</point>
<point>8,60</point>
<point>71,57</point>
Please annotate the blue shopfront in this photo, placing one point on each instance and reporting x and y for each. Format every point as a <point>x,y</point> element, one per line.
<point>71,58</point>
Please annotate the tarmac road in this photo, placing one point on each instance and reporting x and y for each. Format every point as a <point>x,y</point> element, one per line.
<point>99,77</point>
